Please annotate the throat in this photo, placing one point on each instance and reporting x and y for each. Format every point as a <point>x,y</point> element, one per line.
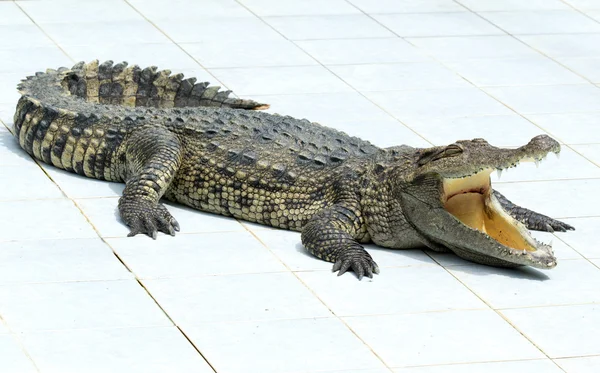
<point>469,208</point>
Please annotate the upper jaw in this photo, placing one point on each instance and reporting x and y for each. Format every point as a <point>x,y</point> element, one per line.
<point>478,159</point>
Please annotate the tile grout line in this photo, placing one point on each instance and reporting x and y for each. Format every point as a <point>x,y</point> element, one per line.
<point>580,11</point>
<point>333,73</point>
<point>299,279</point>
<point>527,119</point>
<point>447,270</point>
<point>339,318</point>
<point>471,363</point>
<point>480,89</point>
<point>436,59</point>
<point>141,284</point>
<point>432,258</point>
<point>5,323</point>
<point>251,232</point>
<point>541,53</point>
<point>44,32</point>
<point>94,227</point>
<point>2,320</point>
<point>19,341</point>
<point>519,114</point>
<point>535,124</point>
<point>115,253</point>
<point>175,43</point>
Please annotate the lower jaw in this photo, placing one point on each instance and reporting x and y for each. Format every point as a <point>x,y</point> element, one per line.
<point>479,258</point>
<point>482,212</point>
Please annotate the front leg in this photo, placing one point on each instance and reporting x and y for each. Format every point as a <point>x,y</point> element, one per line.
<point>332,234</point>
<point>152,156</point>
<point>532,220</point>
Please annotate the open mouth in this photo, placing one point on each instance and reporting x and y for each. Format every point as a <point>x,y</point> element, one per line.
<point>471,201</point>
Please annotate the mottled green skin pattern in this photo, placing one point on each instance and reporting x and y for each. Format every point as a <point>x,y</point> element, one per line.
<point>165,136</point>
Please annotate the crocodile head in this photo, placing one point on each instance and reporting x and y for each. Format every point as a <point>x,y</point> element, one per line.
<point>448,200</point>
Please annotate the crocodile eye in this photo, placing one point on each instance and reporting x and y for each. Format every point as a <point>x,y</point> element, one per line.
<point>452,150</point>
<point>430,155</point>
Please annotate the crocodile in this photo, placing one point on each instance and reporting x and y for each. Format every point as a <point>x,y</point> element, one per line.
<point>169,137</point>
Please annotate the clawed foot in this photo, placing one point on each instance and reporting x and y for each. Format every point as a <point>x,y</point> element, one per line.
<point>142,217</point>
<point>358,260</point>
<point>551,225</point>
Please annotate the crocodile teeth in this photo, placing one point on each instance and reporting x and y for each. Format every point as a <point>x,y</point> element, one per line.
<point>557,155</point>
<point>537,162</point>
<point>499,173</point>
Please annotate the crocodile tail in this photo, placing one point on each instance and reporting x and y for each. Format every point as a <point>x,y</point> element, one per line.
<point>120,84</point>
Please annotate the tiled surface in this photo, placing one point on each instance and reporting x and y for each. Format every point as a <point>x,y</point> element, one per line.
<point>139,350</point>
<point>543,22</point>
<point>191,255</point>
<point>328,27</point>
<point>391,296</point>
<point>305,345</point>
<point>223,296</point>
<point>580,364</point>
<point>442,338</point>
<point>282,296</point>
<point>470,47</point>
<point>14,359</point>
<point>390,77</point>
<point>519,71</point>
<point>523,366</point>
<point>560,331</point>
<point>437,24</point>
<point>58,261</point>
<point>536,99</point>
<point>79,305</point>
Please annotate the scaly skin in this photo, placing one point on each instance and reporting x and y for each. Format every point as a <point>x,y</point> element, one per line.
<point>165,136</point>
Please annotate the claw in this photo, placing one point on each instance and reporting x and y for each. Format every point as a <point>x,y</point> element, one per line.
<point>359,261</point>
<point>143,217</point>
<point>336,266</point>
<point>358,269</point>
<point>344,268</point>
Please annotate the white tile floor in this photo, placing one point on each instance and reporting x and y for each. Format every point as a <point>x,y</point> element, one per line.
<point>224,296</point>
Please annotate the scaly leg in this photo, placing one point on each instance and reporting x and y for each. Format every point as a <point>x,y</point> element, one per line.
<point>532,220</point>
<point>331,235</point>
<point>153,156</point>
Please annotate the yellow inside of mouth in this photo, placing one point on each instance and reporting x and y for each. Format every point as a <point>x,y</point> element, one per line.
<point>469,200</point>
